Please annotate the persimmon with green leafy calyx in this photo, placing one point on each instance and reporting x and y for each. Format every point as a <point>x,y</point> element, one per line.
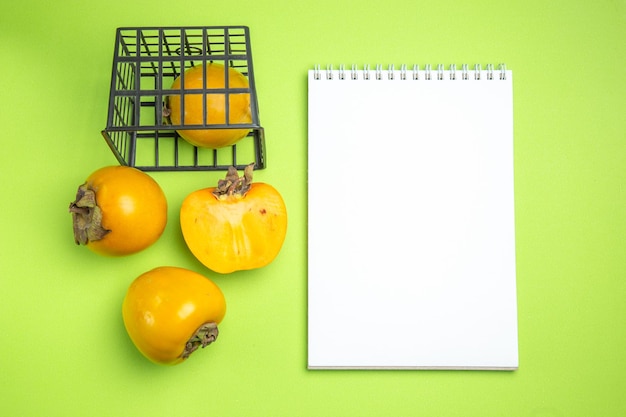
<point>170,312</point>
<point>215,103</point>
<point>238,225</point>
<point>118,211</point>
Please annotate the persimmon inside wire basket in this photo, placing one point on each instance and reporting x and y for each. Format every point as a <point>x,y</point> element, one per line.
<point>146,62</point>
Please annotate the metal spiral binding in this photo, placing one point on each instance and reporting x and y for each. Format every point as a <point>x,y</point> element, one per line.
<point>316,72</point>
<point>489,72</point>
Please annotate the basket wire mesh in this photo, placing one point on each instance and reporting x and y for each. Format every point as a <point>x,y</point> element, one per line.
<point>146,63</point>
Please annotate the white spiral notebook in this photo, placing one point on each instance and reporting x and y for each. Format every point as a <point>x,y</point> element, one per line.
<point>411,230</point>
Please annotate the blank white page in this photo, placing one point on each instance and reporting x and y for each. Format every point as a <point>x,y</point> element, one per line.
<point>411,232</point>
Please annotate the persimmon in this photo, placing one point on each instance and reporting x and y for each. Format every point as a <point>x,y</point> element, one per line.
<point>238,225</point>
<point>119,210</point>
<point>170,312</point>
<point>214,104</point>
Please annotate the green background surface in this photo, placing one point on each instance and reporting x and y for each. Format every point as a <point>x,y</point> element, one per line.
<point>64,349</point>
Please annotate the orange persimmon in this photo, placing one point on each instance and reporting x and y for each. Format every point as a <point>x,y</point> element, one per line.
<point>215,103</point>
<point>238,225</point>
<point>170,312</point>
<point>119,210</point>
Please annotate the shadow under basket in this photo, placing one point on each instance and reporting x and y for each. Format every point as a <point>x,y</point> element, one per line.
<point>146,62</point>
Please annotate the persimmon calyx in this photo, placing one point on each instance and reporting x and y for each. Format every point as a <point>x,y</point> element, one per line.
<point>233,184</point>
<point>86,217</point>
<point>203,337</point>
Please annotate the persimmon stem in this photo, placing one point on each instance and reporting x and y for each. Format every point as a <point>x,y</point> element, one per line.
<point>203,337</point>
<point>233,184</point>
<point>86,216</point>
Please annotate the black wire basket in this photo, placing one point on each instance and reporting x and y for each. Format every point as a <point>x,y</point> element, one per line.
<point>146,62</point>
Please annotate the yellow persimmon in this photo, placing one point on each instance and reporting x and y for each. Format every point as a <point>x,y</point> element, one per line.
<point>119,210</point>
<point>170,312</point>
<point>238,225</point>
<point>214,104</point>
